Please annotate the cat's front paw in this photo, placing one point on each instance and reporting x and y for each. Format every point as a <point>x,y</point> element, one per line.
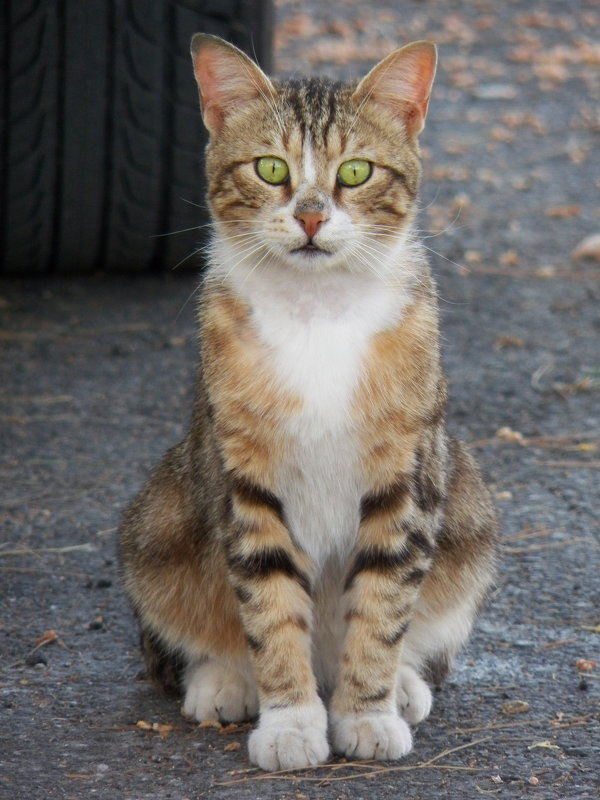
<point>413,695</point>
<point>383,735</point>
<point>290,738</point>
<point>215,691</point>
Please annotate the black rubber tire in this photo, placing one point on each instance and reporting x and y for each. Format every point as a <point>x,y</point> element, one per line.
<point>101,141</point>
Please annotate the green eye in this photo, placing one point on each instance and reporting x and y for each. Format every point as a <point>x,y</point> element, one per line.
<point>272,169</point>
<point>354,172</point>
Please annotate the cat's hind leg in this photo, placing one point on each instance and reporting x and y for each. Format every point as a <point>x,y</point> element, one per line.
<point>413,695</point>
<point>215,689</point>
<point>454,589</point>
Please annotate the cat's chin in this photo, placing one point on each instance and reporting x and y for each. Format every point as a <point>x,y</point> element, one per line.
<point>313,259</point>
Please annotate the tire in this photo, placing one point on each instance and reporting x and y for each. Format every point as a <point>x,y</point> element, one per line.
<point>101,143</point>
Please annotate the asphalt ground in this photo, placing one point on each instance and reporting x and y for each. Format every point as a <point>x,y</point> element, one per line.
<point>96,382</point>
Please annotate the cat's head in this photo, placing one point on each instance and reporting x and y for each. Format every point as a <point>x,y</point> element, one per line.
<point>312,174</point>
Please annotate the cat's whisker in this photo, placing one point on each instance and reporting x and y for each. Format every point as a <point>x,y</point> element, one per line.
<point>460,267</point>
<point>203,206</point>
<point>183,230</point>
<point>196,291</point>
<point>269,254</point>
<point>194,252</point>
<point>364,253</point>
<point>237,236</point>
<point>243,256</point>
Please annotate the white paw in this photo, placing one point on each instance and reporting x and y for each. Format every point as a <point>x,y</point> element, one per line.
<point>382,735</point>
<point>214,690</point>
<point>290,738</point>
<point>413,695</point>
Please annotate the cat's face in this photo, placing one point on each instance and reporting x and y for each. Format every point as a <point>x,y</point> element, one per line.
<point>312,175</point>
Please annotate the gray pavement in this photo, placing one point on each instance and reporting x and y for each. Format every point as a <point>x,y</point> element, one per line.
<point>96,382</point>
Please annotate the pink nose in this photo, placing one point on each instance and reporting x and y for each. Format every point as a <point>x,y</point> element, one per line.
<point>311,221</point>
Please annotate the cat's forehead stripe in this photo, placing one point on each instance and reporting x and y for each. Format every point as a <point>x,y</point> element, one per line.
<point>314,103</point>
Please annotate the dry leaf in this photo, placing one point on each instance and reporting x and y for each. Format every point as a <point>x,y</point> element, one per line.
<point>585,665</point>
<point>48,638</point>
<point>512,707</point>
<point>210,723</point>
<point>156,727</point>
<point>232,726</point>
<point>561,212</point>
<point>508,435</point>
<point>546,744</point>
<point>545,272</point>
<point>509,341</point>
<point>588,248</point>
<point>509,258</point>
<point>232,746</point>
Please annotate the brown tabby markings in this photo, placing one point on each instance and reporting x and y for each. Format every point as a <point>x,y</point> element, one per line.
<point>212,562</point>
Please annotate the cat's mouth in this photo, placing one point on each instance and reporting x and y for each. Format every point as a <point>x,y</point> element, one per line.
<point>311,250</point>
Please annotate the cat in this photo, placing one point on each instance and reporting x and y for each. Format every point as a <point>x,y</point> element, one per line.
<point>317,548</point>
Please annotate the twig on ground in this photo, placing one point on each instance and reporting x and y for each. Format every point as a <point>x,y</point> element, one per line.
<point>28,551</point>
<point>374,770</point>
<point>571,464</point>
<point>532,548</point>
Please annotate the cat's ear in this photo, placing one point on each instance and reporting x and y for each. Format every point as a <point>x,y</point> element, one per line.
<point>402,84</point>
<point>226,78</point>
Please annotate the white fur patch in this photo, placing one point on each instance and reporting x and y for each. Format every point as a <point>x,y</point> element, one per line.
<point>215,690</point>
<point>413,696</point>
<point>431,633</point>
<point>309,173</point>
<point>317,329</point>
<point>382,735</point>
<point>290,738</point>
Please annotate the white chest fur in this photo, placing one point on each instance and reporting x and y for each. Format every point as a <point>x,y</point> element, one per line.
<point>316,329</point>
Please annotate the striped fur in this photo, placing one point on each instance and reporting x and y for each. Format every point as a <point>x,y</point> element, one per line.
<point>317,546</point>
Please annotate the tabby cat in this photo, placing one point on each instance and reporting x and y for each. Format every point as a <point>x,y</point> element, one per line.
<point>317,547</point>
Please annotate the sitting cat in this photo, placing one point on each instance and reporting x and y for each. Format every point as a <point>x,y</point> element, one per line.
<point>317,547</point>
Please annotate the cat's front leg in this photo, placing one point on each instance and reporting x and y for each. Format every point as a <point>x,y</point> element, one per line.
<point>383,584</point>
<point>271,579</point>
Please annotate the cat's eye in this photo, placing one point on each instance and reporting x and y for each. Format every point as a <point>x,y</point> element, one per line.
<point>272,169</point>
<point>354,172</point>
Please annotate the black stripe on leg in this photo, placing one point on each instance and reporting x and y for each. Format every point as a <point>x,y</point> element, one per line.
<point>388,500</point>
<point>375,697</point>
<point>419,540</point>
<point>263,563</point>
<point>414,576</point>
<point>426,494</point>
<point>255,495</point>
<point>394,638</point>
<point>374,559</point>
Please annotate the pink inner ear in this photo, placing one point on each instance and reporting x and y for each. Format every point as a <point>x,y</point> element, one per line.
<point>208,86</point>
<point>226,79</point>
<point>402,83</point>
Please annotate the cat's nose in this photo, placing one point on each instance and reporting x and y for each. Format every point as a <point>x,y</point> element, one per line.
<point>311,221</point>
